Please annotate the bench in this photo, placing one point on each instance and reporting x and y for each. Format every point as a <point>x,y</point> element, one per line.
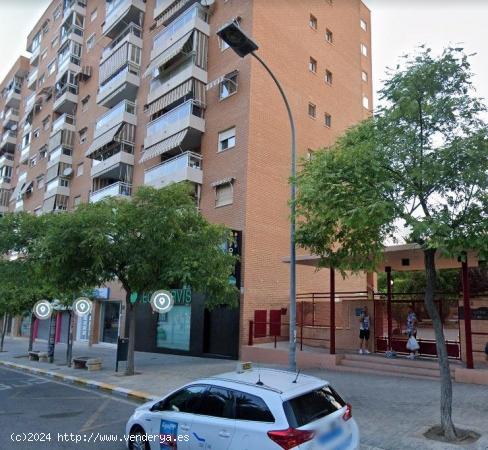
<point>37,356</point>
<point>85,362</point>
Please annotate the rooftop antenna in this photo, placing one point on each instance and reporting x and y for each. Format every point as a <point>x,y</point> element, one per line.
<point>296,378</point>
<point>259,382</point>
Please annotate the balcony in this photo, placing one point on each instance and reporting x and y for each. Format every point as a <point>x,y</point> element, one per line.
<point>121,12</point>
<point>66,99</point>
<point>13,98</point>
<point>32,79</point>
<point>71,6</point>
<point>34,59</point>
<point>71,32</point>
<point>188,116</point>
<point>6,160</point>
<point>132,33</point>
<point>29,102</point>
<point>64,122</point>
<point>60,155</point>
<point>119,189</point>
<point>11,118</point>
<point>58,186</point>
<point>68,61</point>
<point>125,111</point>
<point>24,154</point>
<point>5,181</point>
<point>19,205</point>
<point>193,18</point>
<point>110,167</point>
<point>9,141</point>
<point>123,85</point>
<point>185,167</point>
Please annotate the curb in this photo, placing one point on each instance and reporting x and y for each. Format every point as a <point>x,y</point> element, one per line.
<point>105,387</point>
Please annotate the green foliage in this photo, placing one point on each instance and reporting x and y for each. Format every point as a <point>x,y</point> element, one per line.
<point>417,168</point>
<point>157,240</point>
<point>448,282</point>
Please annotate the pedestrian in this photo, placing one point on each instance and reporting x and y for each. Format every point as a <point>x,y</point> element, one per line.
<point>412,331</point>
<point>364,326</point>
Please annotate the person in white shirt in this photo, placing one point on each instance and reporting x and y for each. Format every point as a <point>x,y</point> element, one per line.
<point>364,327</point>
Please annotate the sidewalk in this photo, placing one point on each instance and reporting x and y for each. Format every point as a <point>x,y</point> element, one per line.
<point>156,375</point>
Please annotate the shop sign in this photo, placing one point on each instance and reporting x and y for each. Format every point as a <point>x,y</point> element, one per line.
<point>181,297</point>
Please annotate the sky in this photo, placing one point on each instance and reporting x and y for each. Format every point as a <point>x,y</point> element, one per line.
<point>398,26</point>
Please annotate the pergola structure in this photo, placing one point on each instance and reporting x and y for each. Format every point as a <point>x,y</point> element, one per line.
<point>406,257</point>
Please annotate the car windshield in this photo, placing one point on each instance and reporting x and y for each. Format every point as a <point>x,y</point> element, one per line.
<point>312,406</point>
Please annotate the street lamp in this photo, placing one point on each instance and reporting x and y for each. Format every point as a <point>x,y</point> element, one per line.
<point>243,46</point>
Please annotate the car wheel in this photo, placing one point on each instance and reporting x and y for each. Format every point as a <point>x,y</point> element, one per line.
<point>137,440</point>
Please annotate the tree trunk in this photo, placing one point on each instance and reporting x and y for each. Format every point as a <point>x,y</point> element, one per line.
<point>69,346</point>
<point>31,332</point>
<point>445,372</point>
<point>131,318</point>
<point>4,330</point>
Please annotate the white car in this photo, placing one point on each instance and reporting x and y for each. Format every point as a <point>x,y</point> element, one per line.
<point>253,409</point>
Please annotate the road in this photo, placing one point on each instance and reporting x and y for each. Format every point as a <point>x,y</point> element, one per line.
<point>44,407</point>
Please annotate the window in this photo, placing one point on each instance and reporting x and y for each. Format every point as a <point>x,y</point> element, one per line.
<point>41,80</point>
<point>364,50</point>
<point>312,65</point>
<point>328,77</point>
<point>33,161</point>
<point>83,135</point>
<point>55,42</point>
<point>227,139</point>
<point>84,103</point>
<point>93,15</point>
<point>40,182</point>
<point>76,201</point>
<point>251,407</point>
<point>329,36</point>
<point>313,22</point>
<point>364,76</point>
<point>223,45</point>
<point>364,25</point>
<point>312,406</point>
<point>327,120</point>
<point>187,400</point>
<point>365,102</point>
<point>79,170</point>
<point>45,28</point>
<point>51,68</point>
<point>45,123</point>
<point>42,153</point>
<point>57,13</point>
<point>312,110</point>
<point>228,85</point>
<point>217,402</point>
<point>44,54</point>
<point>37,133</point>
<point>224,194</point>
<point>90,42</point>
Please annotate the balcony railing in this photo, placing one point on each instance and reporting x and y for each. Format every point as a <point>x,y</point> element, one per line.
<point>61,121</point>
<point>109,83</point>
<point>161,38</point>
<point>112,7</point>
<point>118,110</point>
<point>10,113</point>
<point>5,179</point>
<point>58,152</point>
<point>6,160</point>
<point>130,29</point>
<point>72,88</point>
<point>171,166</point>
<point>24,154</point>
<point>15,89</point>
<point>171,117</point>
<point>29,102</point>
<point>9,134</point>
<point>32,76</point>
<point>66,59</point>
<point>117,189</point>
<point>65,32</point>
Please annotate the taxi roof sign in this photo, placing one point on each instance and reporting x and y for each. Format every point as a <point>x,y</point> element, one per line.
<point>244,367</point>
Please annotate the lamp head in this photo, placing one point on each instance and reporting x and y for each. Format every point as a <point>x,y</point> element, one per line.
<point>236,39</point>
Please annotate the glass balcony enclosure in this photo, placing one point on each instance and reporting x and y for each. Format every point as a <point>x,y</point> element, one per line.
<point>70,52</point>
<point>57,182</point>
<point>177,114</point>
<point>61,121</point>
<point>172,168</point>
<point>131,29</point>
<point>116,189</point>
<point>67,83</point>
<point>74,23</point>
<point>58,152</point>
<point>161,39</point>
<point>110,116</point>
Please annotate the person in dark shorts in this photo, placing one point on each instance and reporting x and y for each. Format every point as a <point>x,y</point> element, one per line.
<point>364,332</point>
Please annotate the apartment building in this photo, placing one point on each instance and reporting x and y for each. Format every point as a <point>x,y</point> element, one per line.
<point>122,93</point>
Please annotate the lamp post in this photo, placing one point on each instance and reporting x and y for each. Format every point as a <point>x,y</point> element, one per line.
<point>243,46</point>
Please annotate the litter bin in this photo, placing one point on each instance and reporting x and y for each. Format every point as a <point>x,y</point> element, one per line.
<point>122,351</point>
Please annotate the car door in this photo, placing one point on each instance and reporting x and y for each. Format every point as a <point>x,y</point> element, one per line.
<point>172,418</point>
<point>214,426</point>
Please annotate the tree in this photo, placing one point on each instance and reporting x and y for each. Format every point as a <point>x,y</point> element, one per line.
<point>418,166</point>
<point>157,240</point>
